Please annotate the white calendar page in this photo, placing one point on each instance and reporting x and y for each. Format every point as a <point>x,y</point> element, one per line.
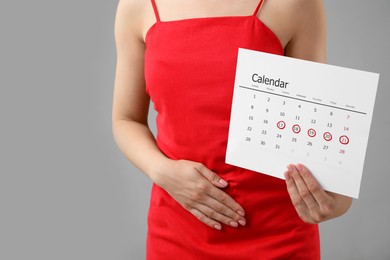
<point>289,110</point>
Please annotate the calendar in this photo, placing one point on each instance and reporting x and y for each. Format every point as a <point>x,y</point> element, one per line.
<point>287,110</point>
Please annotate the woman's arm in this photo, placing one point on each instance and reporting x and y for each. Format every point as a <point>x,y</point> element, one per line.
<point>191,184</point>
<point>300,26</point>
<point>313,204</point>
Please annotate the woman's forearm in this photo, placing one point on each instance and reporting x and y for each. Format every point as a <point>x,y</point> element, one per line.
<point>138,145</point>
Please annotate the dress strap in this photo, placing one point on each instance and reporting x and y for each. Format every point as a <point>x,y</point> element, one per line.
<point>156,11</point>
<point>258,7</point>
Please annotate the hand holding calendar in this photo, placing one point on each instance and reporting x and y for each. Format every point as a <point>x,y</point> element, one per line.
<point>287,110</point>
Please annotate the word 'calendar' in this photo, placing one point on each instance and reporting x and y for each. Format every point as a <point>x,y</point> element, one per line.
<point>288,110</point>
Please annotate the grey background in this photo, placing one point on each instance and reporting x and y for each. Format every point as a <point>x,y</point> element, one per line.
<point>66,192</point>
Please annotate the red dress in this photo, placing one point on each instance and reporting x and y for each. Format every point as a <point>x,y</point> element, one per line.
<point>189,71</point>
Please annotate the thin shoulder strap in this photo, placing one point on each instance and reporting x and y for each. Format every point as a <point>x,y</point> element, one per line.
<point>258,7</point>
<point>156,11</point>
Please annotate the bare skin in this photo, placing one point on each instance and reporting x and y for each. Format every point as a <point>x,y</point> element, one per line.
<point>300,27</point>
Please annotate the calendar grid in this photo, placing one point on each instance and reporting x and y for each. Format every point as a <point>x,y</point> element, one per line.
<point>287,110</point>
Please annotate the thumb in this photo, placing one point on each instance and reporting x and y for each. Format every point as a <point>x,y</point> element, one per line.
<point>211,176</point>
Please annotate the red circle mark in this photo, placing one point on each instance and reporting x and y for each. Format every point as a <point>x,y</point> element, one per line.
<point>311,132</point>
<point>296,128</point>
<point>327,136</point>
<point>344,139</point>
<point>281,124</point>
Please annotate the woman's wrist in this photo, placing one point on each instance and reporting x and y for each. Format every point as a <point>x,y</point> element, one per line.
<point>158,169</point>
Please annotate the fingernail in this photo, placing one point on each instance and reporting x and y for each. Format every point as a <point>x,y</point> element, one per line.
<point>233,224</point>
<point>241,213</point>
<point>299,167</point>
<point>287,175</point>
<point>218,227</point>
<point>223,182</point>
<point>242,222</point>
<point>290,168</point>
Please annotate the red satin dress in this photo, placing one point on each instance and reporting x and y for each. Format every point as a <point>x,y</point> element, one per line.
<point>189,71</point>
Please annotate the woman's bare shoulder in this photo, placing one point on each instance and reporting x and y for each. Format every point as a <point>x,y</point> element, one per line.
<point>135,8</point>
<point>135,15</point>
<point>306,7</point>
<point>295,10</point>
<point>308,28</point>
<point>287,18</point>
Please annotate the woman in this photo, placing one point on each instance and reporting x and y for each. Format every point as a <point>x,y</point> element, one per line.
<point>182,56</point>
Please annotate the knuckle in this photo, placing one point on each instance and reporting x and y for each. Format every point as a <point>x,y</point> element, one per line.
<point>200,167</point>
<point>297,202</point>
<point>314,188</point>
<point>213,177</point>
<point>198,197</point>
<point>201,187</point>
<point>328,208</point>
<point>209,213</point>
<point>219,208</point>
<point>305,194</point>
<point>224,199</point>
<point>318,217</point>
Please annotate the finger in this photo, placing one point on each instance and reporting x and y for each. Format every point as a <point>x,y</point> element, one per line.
<point>302,188</point>
<point>206,220</point>
<point>222,213</point>
<point>232,208</point>
<point>217,216</point>
<point>211,176</point>
<point>313,186</point>
<point>324,200</point>
<point>296,199</point>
